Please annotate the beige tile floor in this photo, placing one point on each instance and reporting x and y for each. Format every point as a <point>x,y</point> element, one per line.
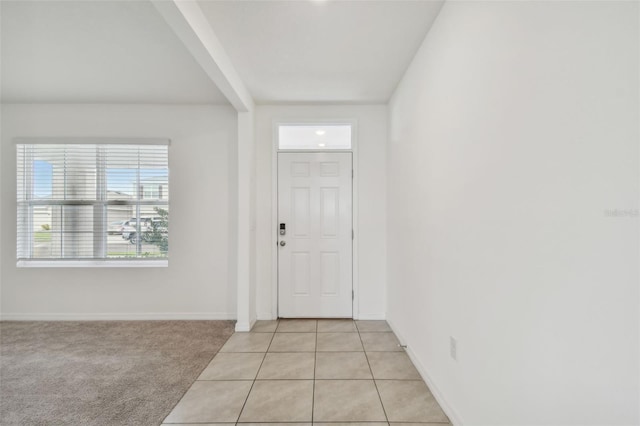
<point>303,372</point>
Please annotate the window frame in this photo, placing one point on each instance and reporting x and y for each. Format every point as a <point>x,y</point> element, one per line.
<point>101,201</point>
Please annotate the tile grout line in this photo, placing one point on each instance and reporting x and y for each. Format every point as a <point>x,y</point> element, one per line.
<point>257,372</point>
<point>315,362</point>
<point>189,388</point>
<point>373,377</point>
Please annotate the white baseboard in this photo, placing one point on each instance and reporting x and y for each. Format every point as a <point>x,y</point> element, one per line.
<point>243,327</point>
<point>453,415</point>
<point>370,317</point>
<point>152,316</point>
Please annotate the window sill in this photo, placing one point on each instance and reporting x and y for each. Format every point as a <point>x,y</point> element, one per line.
<point>161,263</point>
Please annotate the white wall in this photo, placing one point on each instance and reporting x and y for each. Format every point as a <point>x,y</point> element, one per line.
<point>512,133</point>
<point>371,241</point>
<point>246,237</point>
<point>200,279</point>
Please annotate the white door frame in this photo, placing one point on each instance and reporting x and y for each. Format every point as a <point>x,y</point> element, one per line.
<point>274,203</point>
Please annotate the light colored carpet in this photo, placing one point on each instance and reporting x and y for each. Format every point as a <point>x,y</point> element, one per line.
<point>104,373</point>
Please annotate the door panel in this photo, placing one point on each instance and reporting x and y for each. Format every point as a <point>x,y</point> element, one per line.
<point>315,262</point>
<point>301,212</point>
<point>330,212</point>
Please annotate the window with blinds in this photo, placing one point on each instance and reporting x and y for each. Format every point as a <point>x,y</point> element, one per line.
<point>92,201</point>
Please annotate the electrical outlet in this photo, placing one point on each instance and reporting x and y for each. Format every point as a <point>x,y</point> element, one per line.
<point>453,347</point>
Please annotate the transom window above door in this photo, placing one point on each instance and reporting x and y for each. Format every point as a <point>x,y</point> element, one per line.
<point>315,136</point>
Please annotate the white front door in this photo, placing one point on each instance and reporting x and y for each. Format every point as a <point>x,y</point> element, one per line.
<point>315,235</point>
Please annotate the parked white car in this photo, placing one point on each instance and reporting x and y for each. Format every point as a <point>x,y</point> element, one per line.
<point>116,228</point>
<point>130,228</point>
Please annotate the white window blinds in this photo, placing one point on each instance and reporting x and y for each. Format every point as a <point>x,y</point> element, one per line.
<point>92,201</point>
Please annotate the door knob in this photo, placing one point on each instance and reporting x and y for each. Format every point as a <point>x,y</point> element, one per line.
<point>283,243</point>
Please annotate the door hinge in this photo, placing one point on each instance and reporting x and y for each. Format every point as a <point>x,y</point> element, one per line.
<point>353,295</point>
<point>353,234</point>
<point>352,174</point>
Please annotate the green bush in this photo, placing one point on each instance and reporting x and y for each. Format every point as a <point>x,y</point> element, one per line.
<point>158,234</point>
